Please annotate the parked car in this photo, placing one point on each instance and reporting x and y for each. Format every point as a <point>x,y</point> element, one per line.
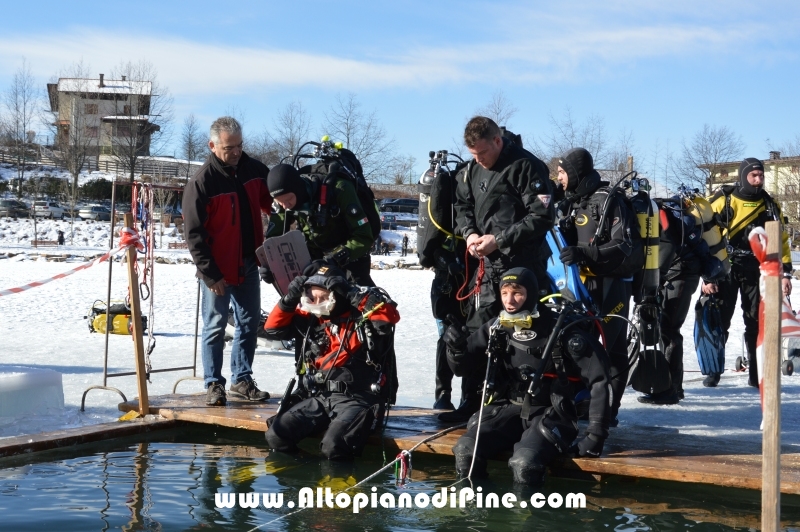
<point>95,212</point>
<point>402,205</point>
<point>170,214</point>
<point>14,209</point>
<point>388,221</point>
<point>384,201</point>
<point>48,209</point>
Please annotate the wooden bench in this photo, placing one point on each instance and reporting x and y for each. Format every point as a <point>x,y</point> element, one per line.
<point>177,245</point>
<point>44,243</point>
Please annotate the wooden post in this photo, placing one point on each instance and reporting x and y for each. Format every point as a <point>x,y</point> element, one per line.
<point>136,319</point>
<point>771,390</point>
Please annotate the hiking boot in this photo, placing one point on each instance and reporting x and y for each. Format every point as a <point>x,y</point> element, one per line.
<point>215,396</point>
<point>463,412</point>
<point>681,396</point>
<point>248,390</point>
<point>667,397</point>
<point>711,381</point>
<point>443,403</point>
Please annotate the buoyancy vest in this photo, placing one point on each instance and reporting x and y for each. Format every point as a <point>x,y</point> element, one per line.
<point>594,221</point>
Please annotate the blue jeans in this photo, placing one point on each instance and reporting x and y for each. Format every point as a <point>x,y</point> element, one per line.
<point>246,302</point>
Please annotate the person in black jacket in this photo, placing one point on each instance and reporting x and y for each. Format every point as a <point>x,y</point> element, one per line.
<point>503,211</point>
<point>222,205</point>
<point>602,237</point>
<point>539,423</point>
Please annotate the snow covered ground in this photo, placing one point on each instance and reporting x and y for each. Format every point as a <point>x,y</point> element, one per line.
<point>45,328</point>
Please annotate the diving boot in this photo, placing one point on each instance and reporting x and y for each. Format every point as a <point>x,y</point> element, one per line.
<point>711,381</point>
<point>463,412</point>
<point>667,397</point>
<point>443,403</point>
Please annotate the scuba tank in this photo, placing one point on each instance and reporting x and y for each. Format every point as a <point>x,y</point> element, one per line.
<point>651,373</point>
<point>436,226</point>
<point>704,215</point>
<point>646,282</point>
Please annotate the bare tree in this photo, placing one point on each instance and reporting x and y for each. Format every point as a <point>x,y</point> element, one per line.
<point>660,168</point>
<point>74,130</point>
<point>194,144</point>
<point>263,148</point>
<point>787,148</point>
<point>702,157</point>
<point>500,109</point>
<point>21,102</point>
<point>402,170</point>
<point>363,134</point>
<point>567,132</point>
<point>621,157</point>
<point>143,113</point>
<point>292,129</point>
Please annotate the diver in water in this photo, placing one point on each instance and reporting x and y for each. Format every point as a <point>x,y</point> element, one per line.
<point>529,403</point>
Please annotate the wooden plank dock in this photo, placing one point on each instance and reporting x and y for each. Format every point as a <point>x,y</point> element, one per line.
<point>630,451</point>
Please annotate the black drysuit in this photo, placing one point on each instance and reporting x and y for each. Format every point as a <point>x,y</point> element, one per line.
<point>547,425</point>
<point>511,201</point>
<point>611,293</point>
<point>683,258</point>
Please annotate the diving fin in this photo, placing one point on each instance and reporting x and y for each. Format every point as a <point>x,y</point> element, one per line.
<point>651,375</point>
<point>564,279</point>
<point>709,336</point>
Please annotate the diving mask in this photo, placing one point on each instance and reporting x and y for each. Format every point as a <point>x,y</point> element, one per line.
<point>519,320</point>
<point>318,309</point>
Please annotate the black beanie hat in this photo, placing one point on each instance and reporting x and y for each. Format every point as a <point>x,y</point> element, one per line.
<point>285,179</point>
<point>747,166</point>
<point>526,278</point>
<point>577,163</point>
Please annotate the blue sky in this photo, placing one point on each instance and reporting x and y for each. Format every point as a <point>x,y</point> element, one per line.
<point>659,70</point>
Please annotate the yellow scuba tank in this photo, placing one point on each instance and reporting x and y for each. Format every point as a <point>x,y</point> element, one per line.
<point>119,313</point>
<point>704,216</point>
<point>120,324</point>
<point>648,281</point>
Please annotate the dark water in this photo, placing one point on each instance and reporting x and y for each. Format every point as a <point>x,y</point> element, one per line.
<point>169,482</point>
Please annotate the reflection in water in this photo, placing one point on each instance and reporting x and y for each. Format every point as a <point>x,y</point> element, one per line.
<point>171,485</point>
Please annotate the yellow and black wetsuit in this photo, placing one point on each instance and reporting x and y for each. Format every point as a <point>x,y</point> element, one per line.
<point>741,211</point>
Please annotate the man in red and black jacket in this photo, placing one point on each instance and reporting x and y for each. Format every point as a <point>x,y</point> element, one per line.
<point>345,362</point>
<point>222,207</point>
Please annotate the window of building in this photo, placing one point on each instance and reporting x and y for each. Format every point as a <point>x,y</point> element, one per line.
<point>126,110</point>
<point>123,130</point>
<point>90,108</point>
<point>92,132</point>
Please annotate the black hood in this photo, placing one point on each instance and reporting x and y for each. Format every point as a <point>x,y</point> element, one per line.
<point>526,278</point>
<point>285,179</point>
<point>578,164</point>
<point>747,166</point>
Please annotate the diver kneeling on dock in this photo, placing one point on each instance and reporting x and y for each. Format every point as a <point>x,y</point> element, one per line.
<point>537,363</point>
<point>345,362</point>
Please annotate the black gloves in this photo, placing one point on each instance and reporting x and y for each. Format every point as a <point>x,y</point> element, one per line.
<point>266,274</point>
<point>577,254</point>
<point>591,446</point>
<point>340,255</point>
<point>456,337</point>
<point>294,292</point>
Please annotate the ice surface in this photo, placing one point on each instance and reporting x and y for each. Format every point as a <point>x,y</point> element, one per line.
<point>29,391</point>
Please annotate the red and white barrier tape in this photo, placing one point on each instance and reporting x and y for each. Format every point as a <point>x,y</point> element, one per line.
<point>128,237</point>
